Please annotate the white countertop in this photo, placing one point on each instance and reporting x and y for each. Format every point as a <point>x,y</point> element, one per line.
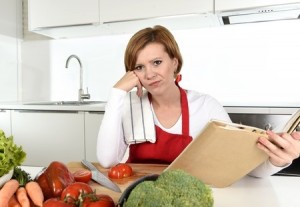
<point>26,106</point>
<point>273,191</point>
<point>101,107</point>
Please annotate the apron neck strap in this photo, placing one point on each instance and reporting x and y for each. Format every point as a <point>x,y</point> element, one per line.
<point>184,110</point>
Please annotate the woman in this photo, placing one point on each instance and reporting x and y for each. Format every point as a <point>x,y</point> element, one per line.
<point>153,62</point>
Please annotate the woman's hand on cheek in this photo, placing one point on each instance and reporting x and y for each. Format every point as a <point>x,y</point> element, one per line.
<point>296,135</point>
<point>128,82</point>
<point>139,91</point>
<point>282,149</point>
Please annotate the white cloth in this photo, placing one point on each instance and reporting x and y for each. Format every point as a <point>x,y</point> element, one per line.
<point>137,119</point>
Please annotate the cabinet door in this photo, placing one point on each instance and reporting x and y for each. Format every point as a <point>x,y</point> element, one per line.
<point>116,10</point>
<point>92,124</point>
<point>5,122</point>
<point>53,13</point>
<point>47,136</point>
<point>225,5</point>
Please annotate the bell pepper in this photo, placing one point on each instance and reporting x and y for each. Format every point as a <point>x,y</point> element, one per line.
<point>54,179</point>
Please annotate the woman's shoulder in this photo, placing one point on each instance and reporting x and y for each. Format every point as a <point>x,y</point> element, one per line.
<point>204,105</point>
<point>198,100</point>
<point>195,96</point>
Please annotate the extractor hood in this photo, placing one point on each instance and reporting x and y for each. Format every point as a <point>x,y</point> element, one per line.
<point>262,14</point>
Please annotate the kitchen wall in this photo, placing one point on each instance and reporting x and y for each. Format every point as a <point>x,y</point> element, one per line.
<point>240,65</point>
<point>10,37</point>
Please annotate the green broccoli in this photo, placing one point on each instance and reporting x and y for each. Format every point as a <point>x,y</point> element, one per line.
<point>172,188</point>
<point>145,192</point>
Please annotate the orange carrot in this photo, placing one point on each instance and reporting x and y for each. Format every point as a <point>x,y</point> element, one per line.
<point>22,197</point>
<point>35,193</point>
<point>13,202</point>
<point>7,191</point>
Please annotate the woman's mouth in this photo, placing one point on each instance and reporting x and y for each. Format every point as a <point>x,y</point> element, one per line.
<point>154,83</point>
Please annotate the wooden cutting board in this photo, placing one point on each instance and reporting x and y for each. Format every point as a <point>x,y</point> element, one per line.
<point>139,170</point>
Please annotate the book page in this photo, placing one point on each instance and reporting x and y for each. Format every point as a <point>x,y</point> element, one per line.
<point>293,123</point>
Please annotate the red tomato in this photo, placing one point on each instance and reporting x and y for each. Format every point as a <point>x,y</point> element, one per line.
<point>82,175</point>
<point>121,170</point>
<point>71,193</point>
<point>100,200</point>
<point>55,202</point>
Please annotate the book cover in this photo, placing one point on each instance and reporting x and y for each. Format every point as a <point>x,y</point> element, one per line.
<point>225,152</point>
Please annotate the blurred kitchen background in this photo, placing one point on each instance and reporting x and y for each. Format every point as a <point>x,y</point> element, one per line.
<point>253,64</point>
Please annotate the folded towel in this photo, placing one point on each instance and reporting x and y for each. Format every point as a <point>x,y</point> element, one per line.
<point>137,119</point>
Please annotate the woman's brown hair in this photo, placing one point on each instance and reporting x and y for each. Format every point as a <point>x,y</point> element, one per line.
<point>157,34</point>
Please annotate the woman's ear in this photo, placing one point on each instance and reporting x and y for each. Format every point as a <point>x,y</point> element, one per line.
<point>175,64</point>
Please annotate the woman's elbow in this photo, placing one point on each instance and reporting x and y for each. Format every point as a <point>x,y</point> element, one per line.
<point>106,160</point>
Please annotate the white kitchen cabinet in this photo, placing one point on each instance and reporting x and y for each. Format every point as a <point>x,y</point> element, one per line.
<point>47,136</point>
<point>81,18</point>
<point>226,5</point>
<point>116,10</point>
<point>92,124</point>
<point>57,13</point>
<point>5,122</point>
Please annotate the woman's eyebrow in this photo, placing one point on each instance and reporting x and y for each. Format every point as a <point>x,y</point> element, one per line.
<point>157,58</point>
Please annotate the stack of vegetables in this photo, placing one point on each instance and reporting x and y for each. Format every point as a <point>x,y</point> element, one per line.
<point>63,188</point>
<point>20,190</point>
<point>56,186</point>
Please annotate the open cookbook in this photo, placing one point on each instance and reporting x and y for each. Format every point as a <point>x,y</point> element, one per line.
<point>225,152</point>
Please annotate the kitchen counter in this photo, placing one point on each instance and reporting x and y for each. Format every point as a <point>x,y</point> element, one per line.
<point>101,107</point>
<point>45,107</point>
<point>273,191</point>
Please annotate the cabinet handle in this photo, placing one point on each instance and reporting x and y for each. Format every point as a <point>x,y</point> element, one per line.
<point>95,112</point>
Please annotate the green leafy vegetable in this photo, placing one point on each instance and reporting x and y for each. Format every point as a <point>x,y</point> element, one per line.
<point>173,188</point>
<point>11,155</point>
<point>22,176</point>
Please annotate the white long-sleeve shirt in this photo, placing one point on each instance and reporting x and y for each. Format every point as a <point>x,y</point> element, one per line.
<point>111,146</point>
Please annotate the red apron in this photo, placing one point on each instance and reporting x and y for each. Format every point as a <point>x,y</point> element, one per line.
<point>167,146</point>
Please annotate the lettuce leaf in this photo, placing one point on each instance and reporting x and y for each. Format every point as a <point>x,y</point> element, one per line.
<point>11,155</point>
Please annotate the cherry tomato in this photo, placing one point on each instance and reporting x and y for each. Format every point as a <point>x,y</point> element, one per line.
<point>82,175</point>
<point>55,202</point>
<point>71,193</point>
<point>121,170</point>
<point>99,200</point>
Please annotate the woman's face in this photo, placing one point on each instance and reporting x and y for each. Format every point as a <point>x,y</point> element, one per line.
<point>155,69</point>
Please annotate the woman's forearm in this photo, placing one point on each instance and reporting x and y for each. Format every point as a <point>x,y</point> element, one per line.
<point>110,144</point>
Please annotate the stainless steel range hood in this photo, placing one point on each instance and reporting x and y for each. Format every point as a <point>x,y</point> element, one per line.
<point>262,14</point>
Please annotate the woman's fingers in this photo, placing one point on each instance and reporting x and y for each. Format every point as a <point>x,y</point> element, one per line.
<point>139,91</point>
<point>296,135</point>
<point>281,148</point>
<point>128,81</point>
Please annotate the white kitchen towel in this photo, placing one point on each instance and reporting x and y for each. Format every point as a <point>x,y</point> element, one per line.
<point>137,119</point>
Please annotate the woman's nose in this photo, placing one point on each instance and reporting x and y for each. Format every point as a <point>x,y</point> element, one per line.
<point>150,73</point>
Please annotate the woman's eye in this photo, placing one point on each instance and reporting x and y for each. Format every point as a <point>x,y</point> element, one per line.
<point>139,67</point>
<point>157,62</point>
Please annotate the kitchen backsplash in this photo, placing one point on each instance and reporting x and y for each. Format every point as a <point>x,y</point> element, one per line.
<point>240,65</point>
